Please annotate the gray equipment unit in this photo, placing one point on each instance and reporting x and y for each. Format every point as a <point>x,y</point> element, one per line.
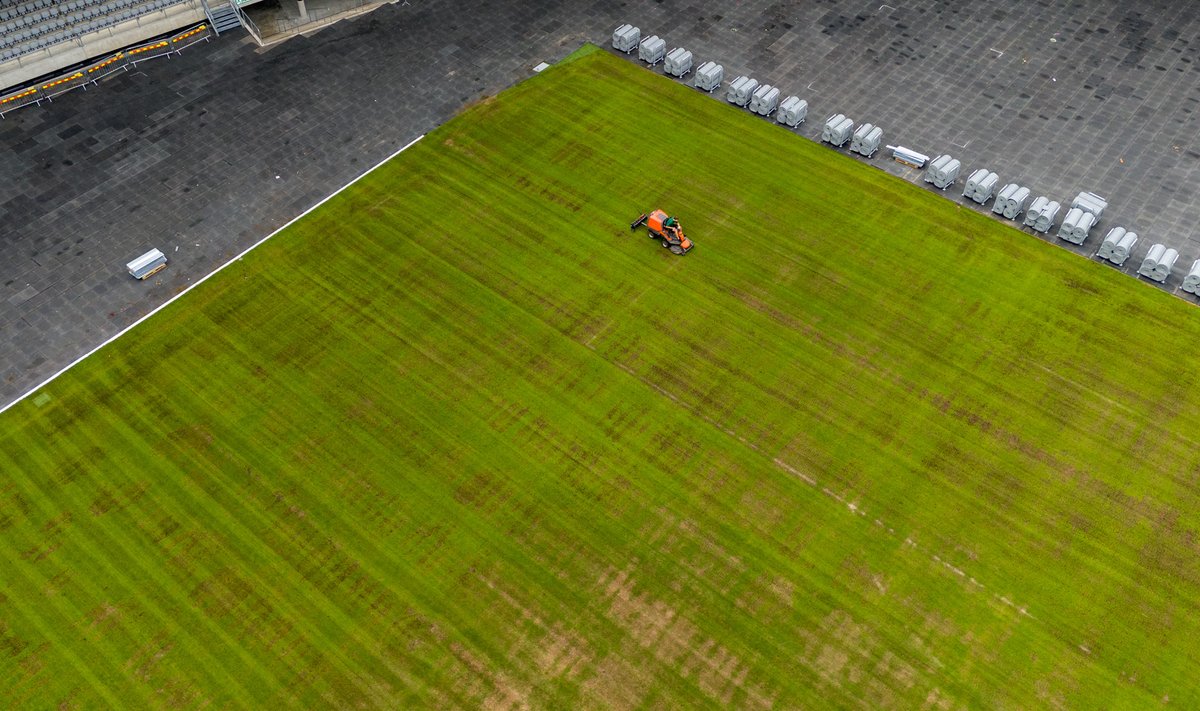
<point>1076,225</point>
<point>1165,264</point>
<point>1158,263</point>
<point>1090,202</point>
<point>908,156</point>
<point>1035,210</point>
<point>972,183</point>
<point>792,111</point>
<point>1111,240</point>
<point>652,50</point>
<point>1042,214</point>
<point>1011,201</point>
<point>1120,252</point>
<point>837,130</point>
<point>740,90</point>
<point>1150,261</point>
<point>709,76</point>
<point>147,264</point>
<point>678,62</point>
<point>866,140</point>
<point>626,38</point>
<point>1002,198</point>
<point>1017,203</point>
<point>981,186</point>
<point>764,100</point>
<point>943,171</point>
<point>1191,282</point>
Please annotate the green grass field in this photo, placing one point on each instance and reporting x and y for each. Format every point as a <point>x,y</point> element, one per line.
<point>459,438</point>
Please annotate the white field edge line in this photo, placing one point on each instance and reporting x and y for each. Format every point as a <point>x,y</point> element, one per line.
<point>205,278</point>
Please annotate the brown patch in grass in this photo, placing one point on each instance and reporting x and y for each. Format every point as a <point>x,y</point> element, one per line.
<point>52,533</point>
<point>222,594</point>
<point>198,437</point>
<point>147,657</point>
<point>105,615</point>
<point>676,642</point>
<point>506,697</point>
<point>785,590</point>
<point>762,508</point>
<point>830,663</point>
<point>562,653</point>
<point>719,672</point>
<point>842,651</point>
<point>14,506</point>
<point>938,699</point>
<point>108,500</point>
<point>892,667</point>
<point>617,685</point>
<point>505,694</point>
<point>78,467</point>
<point>10,644</point>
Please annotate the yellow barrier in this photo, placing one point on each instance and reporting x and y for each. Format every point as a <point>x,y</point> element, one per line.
<point>22,95</point>
<point>64,80</point>
<point>148,47</point>
<point>107,62</point>
<point>185,35</point>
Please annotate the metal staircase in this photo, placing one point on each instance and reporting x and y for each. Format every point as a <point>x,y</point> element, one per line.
<point>223,16</point>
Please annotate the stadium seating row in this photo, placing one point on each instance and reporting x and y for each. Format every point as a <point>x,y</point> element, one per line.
<point>35,27</point>
<point>31,8</point>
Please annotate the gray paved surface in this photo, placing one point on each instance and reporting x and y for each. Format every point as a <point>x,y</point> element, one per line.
<point>184,153</point>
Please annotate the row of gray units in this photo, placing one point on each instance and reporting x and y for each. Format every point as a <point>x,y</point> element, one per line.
<point>942,172</point>
<point>762,99</point>
<point>864,140</point>
<point>1158,263</point>
<point>1013,199</point>
<point>652,50</point>
<point>1117,245</point>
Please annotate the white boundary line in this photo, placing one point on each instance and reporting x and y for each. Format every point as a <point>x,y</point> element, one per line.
<point>205,278</point>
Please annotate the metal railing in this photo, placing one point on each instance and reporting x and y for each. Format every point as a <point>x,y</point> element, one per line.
<point>80,77</point>
<point>247,22</point>
<point>318,13</point>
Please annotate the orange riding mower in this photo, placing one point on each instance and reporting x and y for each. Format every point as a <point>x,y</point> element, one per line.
<point>666,228</point>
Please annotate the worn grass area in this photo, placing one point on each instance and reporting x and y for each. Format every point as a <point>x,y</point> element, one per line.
<point>459,439</point>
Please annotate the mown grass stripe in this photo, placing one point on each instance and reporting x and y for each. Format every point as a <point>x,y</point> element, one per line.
<point>502,451</point>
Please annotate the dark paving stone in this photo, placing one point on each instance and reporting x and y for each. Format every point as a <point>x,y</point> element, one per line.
<point>182,153</point>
